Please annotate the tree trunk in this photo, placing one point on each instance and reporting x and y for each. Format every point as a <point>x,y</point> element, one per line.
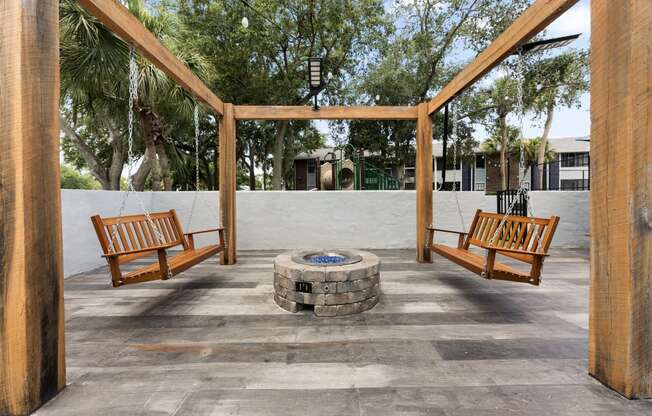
<point>279,150</point>
<point>139,178</point>
<point>541,156</point>
<point>401,175</point>
<point>252,169</point>
<point>504,143</point>
<point>264,178</point>
<point>153,133</point>
<point>97,170</point>
<point>117,158</point>
<point>164,164</point>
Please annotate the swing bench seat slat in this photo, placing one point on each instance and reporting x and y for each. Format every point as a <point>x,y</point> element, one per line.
<point>136,237</point>
<point>526,239</point>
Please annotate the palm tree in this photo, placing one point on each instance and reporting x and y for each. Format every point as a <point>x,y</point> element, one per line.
<point>94,80</point>
<point>502,96</point>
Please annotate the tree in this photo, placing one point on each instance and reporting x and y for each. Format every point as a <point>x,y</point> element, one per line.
<point>266,62</point>
<point>72,179</point>
<point>531,149</point>
<point>94,81</point>
<point>557,81</point>
<point>502,99</point>
<point>421,56</point>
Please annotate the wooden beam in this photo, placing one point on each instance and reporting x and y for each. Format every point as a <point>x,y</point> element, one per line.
<point>423,181</point>
<point>32,366</point>
<point>261,112</point>
<point>118,18</point>
<point>531,22</point>
<point>620,311</point>
<point>227,138</point>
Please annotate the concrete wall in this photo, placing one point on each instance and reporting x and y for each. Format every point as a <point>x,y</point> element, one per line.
<point>280,220</point>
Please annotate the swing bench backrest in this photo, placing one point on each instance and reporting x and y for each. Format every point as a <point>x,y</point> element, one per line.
<point>526,239</point>
<point>127,238</point>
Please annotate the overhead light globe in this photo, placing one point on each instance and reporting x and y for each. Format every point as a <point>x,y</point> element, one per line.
<point>245,22</point>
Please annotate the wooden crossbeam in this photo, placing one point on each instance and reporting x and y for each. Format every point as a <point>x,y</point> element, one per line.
<point>531,22</point>
<point>250,112</point>
<point>117,18</point>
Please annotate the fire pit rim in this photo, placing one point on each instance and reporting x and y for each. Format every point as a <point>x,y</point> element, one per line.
<point>303,257</point>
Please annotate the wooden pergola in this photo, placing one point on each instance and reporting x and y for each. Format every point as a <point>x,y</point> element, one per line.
<point>32,365</point>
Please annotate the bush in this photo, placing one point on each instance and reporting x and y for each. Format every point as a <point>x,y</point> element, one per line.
<point>72,179</point>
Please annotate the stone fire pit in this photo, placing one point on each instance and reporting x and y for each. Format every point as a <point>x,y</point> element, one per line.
<point>336,282</point>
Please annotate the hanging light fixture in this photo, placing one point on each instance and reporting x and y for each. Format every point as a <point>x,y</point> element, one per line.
<point>245,22</point>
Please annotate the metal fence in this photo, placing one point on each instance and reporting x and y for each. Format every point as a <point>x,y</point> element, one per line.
<point>506,198</point>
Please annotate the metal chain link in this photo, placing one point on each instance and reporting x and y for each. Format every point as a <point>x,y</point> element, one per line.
<point>520,112</point>
<point>134,79</point>
<point>194,199</point>
<point>196,120</point>
<point>455,149</point>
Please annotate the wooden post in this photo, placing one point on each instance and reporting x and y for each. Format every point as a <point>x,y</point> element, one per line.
<point>620,323</point>
<point>228,182</point>
<point>423,180</point>
<point>32,366</point>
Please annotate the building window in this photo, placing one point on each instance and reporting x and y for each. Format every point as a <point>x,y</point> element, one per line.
<point>574,184</point>
<point>479,163</point>
<point>312,174</point>
<point>479,186</point>
<point>574,160</point>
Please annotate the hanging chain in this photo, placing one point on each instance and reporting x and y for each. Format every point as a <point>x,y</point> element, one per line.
<point>194,199</point>
<point>196,120</point>
<point>455,149</point>
<point>134,78</point>
<point>522,187</point>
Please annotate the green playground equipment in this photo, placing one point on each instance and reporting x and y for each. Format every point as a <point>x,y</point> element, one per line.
<point>356,173</point>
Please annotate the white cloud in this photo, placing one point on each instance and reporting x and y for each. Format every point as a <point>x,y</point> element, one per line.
<point>576,20</point>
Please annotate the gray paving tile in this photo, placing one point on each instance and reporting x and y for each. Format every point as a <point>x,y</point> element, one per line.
<point>440,342</point>
<point>511,349</point>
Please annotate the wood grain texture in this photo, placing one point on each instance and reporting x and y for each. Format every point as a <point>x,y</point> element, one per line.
<point>126,247</point>
<point>117,18</point>
<point>32,366</point>
<point>227,140</point>
<point>513,240</point>
<point>252,112</point>
<point>531,22</point>
<point>620,337</point>
<point>423,181</point>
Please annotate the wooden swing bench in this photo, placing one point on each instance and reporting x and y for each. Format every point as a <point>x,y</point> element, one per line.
<point>135,238</point>
<point>526,239</point>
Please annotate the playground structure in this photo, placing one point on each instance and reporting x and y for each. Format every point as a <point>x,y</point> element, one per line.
<point>352,172</point>
<point>32,364</point>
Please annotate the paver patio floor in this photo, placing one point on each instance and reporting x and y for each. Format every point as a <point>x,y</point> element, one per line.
<point>440,342</point>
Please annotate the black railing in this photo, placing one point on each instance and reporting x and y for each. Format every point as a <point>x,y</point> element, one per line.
<point>505,199</point>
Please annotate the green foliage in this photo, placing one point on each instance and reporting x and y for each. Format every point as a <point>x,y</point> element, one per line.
<point>532,151</point>
<point>72,179</point>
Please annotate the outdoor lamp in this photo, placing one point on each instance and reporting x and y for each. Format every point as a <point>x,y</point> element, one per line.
<point>314,78</point>
<point>314,73</point>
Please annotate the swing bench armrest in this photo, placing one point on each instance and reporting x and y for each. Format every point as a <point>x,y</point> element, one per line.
<point>511,250</point>
<point>190,237</point>
<point>441,230</point>
<point>461,236</point>
<point>212,230</point>
<point>138,251</point>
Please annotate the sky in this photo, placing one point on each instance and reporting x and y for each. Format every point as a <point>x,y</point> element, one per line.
<point>568,122</point>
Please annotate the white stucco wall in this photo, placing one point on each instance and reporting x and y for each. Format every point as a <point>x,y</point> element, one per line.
<point>279,220</point>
